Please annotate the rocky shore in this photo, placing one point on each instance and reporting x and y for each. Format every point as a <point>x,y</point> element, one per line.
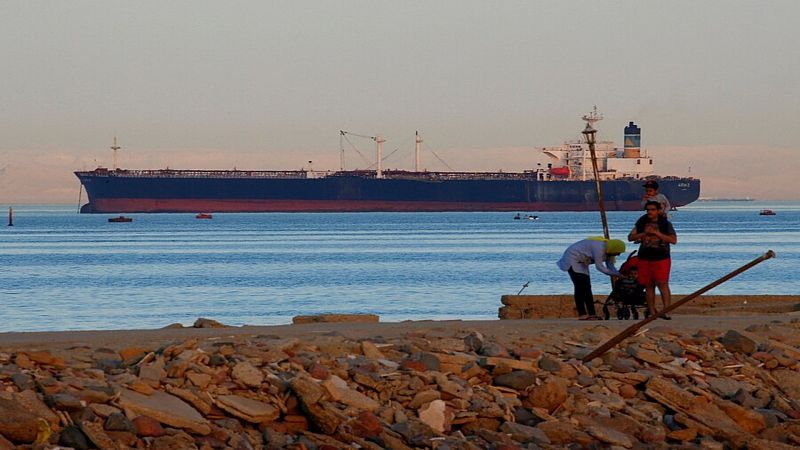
<point>701,383</point>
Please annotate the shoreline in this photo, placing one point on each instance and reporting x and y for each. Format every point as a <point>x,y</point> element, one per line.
<point>116,339</point>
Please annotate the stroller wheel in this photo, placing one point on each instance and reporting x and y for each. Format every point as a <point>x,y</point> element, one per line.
<point>634,313</point>
<point>626,312</point>
<point>606,312</point>
<point>620,312</point>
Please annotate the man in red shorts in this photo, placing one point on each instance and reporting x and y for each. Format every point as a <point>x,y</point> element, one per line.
<point>655,234</point>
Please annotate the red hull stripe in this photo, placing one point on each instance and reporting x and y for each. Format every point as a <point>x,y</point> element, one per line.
<point>126,205</point>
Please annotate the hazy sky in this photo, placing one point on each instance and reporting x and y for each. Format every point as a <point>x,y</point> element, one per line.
<point>715,85</point>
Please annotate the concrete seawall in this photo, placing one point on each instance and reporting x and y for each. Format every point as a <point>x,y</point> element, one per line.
<point>556,306</point>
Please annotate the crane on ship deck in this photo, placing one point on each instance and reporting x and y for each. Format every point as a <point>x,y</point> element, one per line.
<point>379,159</point>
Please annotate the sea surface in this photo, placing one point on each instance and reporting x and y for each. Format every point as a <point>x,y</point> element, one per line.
<point>60,270</point>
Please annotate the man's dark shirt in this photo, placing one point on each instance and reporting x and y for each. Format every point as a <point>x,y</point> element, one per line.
<point>652,248</point>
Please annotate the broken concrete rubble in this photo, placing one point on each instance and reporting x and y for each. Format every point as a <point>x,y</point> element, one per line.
<point>460,389</point>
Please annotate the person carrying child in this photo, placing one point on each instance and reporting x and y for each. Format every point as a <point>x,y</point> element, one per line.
<point>655,234</point>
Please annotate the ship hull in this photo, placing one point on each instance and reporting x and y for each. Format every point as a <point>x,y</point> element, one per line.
<point>118,193</point>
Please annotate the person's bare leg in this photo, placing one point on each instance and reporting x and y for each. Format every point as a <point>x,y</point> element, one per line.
<point>666,295</point>
<point>650,295</point>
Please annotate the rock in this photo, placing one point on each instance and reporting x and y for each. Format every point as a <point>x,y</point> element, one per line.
<point>623,365</point>
<point>30,401</point>
<point>685,435</point>
<point>734,342</point>
<point>324,416</point>
<point>166,409</point>
<point>493,349</point>
<point>434,415</point>
<point>423,397</point>
<point>147,427</point>
<point>118,422</point>
<point>518,379</point>
<point>208,323</point>
<point>318,371</point>
<point>275,440</point>
<point>248,409</point>
<point>699,408</point>
<point>427,360</point>
<point>201,380</point>
<point>5,444</point>
<point>366,425</point>
<point>336,318</point>
<point>788,381</point>
<point>45,358</point>
<point>415,432</point>
<point>474,342</point>
<point>172,326</point>
<point>646,355</point>
<point>610,436</point>
<point>726,387</point>
<point>561,433</point>
<point>524,433</point>
<point>103,410</point>
<point>124,439</point>
<point>550,395</point>
<point>94,431</point>
<point>749,420</point>
<point>16,422</point>
<point>180,441</point>
<point>73,437</point>
<point>371,351</point>
<point>63,402</point>
<point>132,355</point>
<point>23,381</point>
<point>248,375</point>
<point>627,391</point>
<point>549,364</point>
<point>307,390</point>
<point>342,393</point>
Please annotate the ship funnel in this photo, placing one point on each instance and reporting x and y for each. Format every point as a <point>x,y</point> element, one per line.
<point>633,141</point>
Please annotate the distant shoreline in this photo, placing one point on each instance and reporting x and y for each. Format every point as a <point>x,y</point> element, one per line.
<point>745,199</point>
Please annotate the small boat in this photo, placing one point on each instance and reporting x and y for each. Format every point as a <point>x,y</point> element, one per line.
<point>532,217</point>
<point>203,216</point>
<point>517,217</point>
<point>120,219</point>
<point>766,212</point>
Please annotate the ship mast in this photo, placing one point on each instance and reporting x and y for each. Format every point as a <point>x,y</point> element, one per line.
<point>590,119</point>
<point>379,140</point>
<point>417,146</point>
<point>114,147</point>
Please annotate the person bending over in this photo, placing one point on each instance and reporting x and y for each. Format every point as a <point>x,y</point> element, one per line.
<point>576,260</point>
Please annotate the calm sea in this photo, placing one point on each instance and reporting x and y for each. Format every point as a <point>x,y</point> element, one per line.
<point>64,271</point>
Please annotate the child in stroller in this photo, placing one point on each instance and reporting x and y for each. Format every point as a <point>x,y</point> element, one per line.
<point>628,295</point>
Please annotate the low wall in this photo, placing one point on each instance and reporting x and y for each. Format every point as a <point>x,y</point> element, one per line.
<point>556,306</point>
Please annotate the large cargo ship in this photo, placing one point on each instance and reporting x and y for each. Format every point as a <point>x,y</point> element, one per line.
<point>564,184</point>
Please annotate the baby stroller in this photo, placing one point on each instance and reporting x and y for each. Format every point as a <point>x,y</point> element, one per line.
<point>628,295</point>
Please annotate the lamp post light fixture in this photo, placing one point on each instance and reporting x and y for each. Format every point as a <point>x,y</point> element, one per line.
<point>589,132</point>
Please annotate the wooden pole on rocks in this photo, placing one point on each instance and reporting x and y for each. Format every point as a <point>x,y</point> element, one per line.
<point>599,351</point>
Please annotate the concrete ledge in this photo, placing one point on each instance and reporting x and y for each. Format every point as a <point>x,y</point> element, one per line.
<point>558,306</point>
<point>328,318</point>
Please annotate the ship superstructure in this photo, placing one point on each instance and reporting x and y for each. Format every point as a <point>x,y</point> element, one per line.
<point>571,160</point>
